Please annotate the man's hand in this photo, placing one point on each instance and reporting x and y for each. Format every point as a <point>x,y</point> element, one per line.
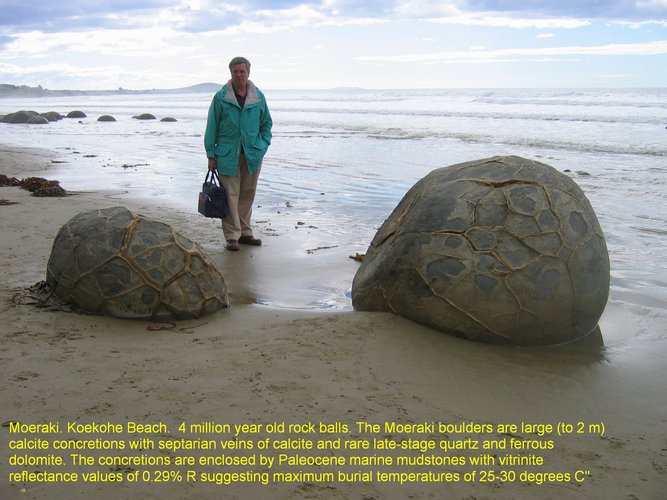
<point>212,164</point>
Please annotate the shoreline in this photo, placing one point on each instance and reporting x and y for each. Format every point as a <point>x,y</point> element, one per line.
<point>258,363</point>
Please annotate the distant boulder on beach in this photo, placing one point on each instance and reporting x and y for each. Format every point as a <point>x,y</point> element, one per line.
<point>106,118</point>
<point>144,116</point>
<point>52,116</point>
<point>37,120</point>
<point>32,117</point>
<point>19,116</point>
<point>76,114</point>
<point>168,119</point>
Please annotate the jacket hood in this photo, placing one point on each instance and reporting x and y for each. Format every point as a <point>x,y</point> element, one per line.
<point>251,98</point>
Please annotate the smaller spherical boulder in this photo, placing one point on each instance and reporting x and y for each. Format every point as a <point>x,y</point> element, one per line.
<point>144,116</point>
<point>52,116</point>
<point>76,114</point>
<point>106,118</point>
<point>501,250</point>
<point>168,119</point>
<point>37,120</point>
<point>122,264</point>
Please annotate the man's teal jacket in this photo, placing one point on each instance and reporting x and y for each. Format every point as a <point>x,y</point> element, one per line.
<point>231,129</point>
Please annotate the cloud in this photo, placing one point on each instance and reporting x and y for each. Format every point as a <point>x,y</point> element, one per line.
<point>186,15</point>
<point>61,75</point>
<point>263,16</point>
<point>614,49</point>
<point>578,9</point>
<point>61,69</point>
<point>649,5</point>
<point>641,24</point>
<point>123,43</point>
<point>271,21</point>
<point>146,43</point>
<point>50,15</point>
<point>512,22</point>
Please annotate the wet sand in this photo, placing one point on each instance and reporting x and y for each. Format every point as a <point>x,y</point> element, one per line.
<point>258,363</point>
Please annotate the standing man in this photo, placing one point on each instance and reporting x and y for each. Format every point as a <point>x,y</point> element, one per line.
<point>238,134</point>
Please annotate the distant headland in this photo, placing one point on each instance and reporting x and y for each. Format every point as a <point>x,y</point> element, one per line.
<point>7,90</point>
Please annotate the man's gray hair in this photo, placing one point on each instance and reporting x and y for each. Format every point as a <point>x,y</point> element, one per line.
<point>239,60</point>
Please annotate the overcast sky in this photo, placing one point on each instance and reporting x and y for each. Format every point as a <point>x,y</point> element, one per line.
<point>141,44</point>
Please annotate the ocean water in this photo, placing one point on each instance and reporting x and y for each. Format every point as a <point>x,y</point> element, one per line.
<point>342,159</point>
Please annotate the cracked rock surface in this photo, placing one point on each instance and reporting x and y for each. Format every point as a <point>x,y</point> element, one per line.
<point>122,264</point>
<point>500,250</point>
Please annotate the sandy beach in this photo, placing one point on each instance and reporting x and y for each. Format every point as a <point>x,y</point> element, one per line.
<point>257,363</point>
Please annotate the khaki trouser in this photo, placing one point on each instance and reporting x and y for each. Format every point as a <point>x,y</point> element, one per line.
<point>241,190</point>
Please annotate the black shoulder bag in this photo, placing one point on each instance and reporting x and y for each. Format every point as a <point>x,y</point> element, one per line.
<point>213,198</point>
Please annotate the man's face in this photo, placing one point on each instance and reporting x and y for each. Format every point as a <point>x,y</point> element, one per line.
<point>239,75</point>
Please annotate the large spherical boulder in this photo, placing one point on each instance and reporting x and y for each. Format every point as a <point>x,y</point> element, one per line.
<point>122,264</point>
<point>500,250</point>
